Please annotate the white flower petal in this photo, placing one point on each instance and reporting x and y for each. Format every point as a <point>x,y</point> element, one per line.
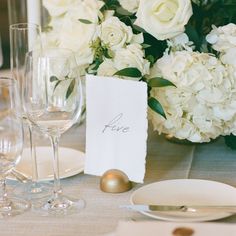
<point>163,19</point>
<point>203,104</point>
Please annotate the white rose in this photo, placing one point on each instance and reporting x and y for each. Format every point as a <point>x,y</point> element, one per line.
<point>131,56</point>
<point>222,38</point>
<point>138,38</point>
<point>58,7</point>
<point>78,36</point>
<point>106,68</point>
<point>130,5</point>
<point>107,14</point>
<point>115,33</point>
<point>56,23</point>
<point>49,39</point>
<point>163,18</point>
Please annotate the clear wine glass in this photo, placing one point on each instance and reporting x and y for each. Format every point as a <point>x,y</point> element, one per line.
<point>53,101</point>
<point>25,37</point>
<point>11,144</point>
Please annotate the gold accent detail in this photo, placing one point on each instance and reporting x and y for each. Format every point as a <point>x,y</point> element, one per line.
<point>183,231</point>
<point>115,181</point>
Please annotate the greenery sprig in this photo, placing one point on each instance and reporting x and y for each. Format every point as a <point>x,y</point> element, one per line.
<point>70,88</point>
<point>153,103</point>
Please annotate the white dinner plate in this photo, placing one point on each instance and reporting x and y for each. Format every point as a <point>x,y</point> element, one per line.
<point>71,162</point>
<point>185,192</point>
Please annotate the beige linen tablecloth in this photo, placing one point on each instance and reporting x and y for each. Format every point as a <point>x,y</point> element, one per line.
<point>165,160</point>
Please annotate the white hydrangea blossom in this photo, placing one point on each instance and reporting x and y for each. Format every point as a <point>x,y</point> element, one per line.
<point>180,42</point>
<point>222,38</point>
<point>202,106</point>
<point>229,58</point>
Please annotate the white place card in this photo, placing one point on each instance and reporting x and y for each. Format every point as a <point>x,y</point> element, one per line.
<point>153,228</point>
<point>116,130</point>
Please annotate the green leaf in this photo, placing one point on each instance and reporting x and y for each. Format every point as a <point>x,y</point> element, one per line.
<point>159,82</point>
<point>57,83</point>
<point>47,29</point>
<point>144,45</point>
<point>151,59</point>
<point>110,5</point>
<point>123,12</point>
<point>108,53</point>
<point>53,78</point>
<point>149,90</point>
<point>95,65</point>
<point>85,21</point>
<point>139,29</point>
<point>156,106</point>
<point>70,88</point>
<point>130,72</point>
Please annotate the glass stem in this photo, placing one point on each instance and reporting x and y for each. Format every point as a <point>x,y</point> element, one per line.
<point>4,202</point>
<point>57,185</point>
<point>33,155</point>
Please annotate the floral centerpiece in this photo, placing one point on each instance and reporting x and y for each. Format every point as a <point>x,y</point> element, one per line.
<point>184,50</point>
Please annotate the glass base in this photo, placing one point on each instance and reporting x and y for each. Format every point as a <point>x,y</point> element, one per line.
<point>39,190</point>
<point>13,207</point>
<point>34,190</point>
<point>60,206</point>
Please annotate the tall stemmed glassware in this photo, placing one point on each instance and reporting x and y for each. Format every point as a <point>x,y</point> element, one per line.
<point>53,101</point>
<point>11,144</point>
<point>25,37</point>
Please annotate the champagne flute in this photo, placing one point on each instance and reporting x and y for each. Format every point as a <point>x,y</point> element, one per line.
<point>25,37</point>
<point>53,101</point>
<point>11,144</point>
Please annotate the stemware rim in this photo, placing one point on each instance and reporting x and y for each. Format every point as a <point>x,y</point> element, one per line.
<point>52,48</point>
<point>41,52</point>
<point>23,26</point>
<point>11,81</point>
